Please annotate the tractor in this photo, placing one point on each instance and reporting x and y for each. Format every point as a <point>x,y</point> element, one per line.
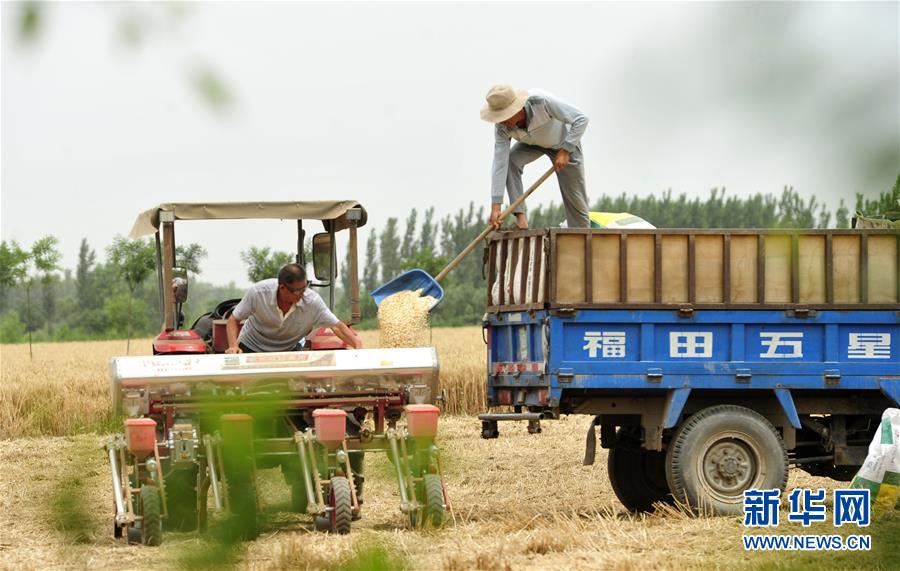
<point>198,422</point>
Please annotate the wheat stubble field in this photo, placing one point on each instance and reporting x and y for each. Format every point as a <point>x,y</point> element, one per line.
<point>521,501</point>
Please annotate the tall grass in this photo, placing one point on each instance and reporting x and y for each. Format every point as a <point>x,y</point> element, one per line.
<point>65,389</point>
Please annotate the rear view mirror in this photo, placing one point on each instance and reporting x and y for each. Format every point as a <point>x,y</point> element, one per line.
<point>321,254</point>
<point>180,284</point>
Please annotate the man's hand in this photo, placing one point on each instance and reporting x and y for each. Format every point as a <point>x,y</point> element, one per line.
<point>232,327</point>
<point>346,335</point>
<point>495,216</point>
<point>561,160</point>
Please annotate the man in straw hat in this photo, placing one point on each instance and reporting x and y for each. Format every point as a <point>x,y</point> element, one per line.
<point>542,125</point>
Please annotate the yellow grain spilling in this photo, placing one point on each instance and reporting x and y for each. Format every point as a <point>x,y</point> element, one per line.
<point>403,319</point>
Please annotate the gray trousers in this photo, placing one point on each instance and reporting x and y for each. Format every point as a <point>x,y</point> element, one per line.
<point>571,181</point>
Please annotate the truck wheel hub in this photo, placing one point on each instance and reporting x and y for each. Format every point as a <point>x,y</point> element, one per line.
<point>728,466</point>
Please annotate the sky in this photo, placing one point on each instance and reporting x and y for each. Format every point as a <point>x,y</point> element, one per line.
<point>100,117</point>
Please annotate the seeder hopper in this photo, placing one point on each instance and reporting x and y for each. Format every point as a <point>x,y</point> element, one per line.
<point>196,424</point>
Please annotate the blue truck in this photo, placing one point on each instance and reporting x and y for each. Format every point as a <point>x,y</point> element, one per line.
<point>710,360</point>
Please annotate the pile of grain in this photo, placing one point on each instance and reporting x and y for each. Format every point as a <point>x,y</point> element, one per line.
<point>403,319</point>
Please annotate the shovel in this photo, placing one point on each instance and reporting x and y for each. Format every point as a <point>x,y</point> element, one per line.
<point>418,279</point>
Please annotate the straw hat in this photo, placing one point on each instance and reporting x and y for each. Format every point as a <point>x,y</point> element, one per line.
<point>502,103</point>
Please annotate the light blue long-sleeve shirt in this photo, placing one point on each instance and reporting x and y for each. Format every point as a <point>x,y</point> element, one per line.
<point>549,123</point>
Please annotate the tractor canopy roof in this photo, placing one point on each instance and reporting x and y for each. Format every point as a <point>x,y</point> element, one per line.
<point>148,221</point>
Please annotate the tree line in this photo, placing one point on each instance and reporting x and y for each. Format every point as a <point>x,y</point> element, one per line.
<point>118,297</point>
<point>110,299</point>
<point>431,244</point>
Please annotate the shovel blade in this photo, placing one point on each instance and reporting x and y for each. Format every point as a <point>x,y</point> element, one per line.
<point>410,280</point>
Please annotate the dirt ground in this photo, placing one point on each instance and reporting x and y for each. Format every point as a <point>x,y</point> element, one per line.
<point>521,502</point>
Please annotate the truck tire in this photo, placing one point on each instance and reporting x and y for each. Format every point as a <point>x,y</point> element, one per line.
<point>341,504</point>
<point>721,451</point>
<point>638,477</point>
<point>151,524</point>
<point>181,499</point>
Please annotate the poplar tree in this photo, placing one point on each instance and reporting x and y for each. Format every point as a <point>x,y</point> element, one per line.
<point>408,248</point>
<point>84,275</point>
<point>389,244</point>
<point>426,236</point>
<point>370,270</point>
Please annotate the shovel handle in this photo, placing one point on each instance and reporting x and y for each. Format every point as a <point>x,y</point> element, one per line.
<point>452,265</point>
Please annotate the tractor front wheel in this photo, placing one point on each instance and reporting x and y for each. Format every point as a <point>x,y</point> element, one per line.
<point>434,501</point>
<point>151,524</point>
<point>341,503</point>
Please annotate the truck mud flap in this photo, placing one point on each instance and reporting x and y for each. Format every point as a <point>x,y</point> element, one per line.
<point>590,444</point>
